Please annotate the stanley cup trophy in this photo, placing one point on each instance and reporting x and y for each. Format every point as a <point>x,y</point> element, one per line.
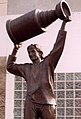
<point>35,22</point>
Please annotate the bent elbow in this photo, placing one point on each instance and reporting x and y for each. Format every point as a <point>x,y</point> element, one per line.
<point>8,68</point>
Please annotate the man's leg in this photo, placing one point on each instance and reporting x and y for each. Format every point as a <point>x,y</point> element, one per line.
<point>29,111</point>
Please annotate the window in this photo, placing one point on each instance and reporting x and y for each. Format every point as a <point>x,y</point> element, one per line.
<point>67,88</point>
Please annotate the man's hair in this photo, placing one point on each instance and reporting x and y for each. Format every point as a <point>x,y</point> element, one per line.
<point>38,49</point>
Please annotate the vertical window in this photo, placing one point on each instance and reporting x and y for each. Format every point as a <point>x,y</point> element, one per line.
<point>67,89</point>
<point>19,97</point>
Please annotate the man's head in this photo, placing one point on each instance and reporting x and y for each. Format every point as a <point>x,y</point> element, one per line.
<point>34,52</point>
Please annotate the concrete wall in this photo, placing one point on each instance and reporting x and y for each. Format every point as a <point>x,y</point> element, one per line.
<point>3,12</point>
<point>2,86</point>
<point>3,7</point>
<point>19,7</point>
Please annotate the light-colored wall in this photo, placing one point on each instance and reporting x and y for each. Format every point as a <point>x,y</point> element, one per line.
<point>3,12</point>
<point>75,5</point>
<point>3,7</point>
<point>71,58</point>
<point>19,7</point>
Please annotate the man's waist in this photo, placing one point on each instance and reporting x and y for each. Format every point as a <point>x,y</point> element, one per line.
<point>43,98</point>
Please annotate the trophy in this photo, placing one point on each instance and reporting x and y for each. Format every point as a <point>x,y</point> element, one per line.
<point>35,22</point>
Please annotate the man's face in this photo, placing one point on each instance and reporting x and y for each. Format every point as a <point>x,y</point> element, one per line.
<point>33,54</point>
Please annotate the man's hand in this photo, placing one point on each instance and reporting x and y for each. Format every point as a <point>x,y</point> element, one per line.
<point>67,19</point>
<point>17,46</point>
<point>15,49</point>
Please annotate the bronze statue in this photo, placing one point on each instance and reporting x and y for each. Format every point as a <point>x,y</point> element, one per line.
<point>40,101</point>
